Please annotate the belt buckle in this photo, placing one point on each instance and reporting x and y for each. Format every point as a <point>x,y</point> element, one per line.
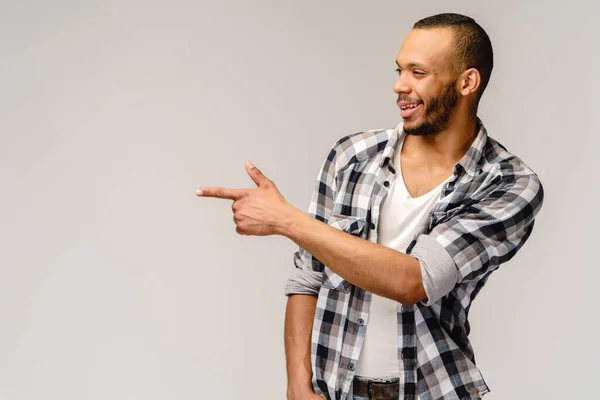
<point>376,380</point>
<point>372,381</point>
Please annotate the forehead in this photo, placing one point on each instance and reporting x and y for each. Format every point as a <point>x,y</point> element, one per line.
<point>431,48</point>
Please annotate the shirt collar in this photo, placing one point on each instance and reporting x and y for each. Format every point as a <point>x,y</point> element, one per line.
<point>388,151</point>
<point>468,162</point>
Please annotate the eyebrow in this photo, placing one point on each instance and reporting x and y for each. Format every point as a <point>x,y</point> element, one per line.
<point>413,64</point>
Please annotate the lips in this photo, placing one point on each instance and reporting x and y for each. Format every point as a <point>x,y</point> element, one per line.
<point>408,109</point>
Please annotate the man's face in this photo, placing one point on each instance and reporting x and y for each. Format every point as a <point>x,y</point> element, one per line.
<point>426,86</point>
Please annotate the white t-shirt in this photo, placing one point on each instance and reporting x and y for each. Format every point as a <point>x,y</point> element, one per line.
<point>401,216</point>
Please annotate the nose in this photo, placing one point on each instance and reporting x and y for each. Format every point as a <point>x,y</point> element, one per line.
<point>401,85</point>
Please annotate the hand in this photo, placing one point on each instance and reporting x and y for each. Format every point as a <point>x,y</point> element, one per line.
<point>257,211</point>
<point>307,396</point>
<point>303,393</point>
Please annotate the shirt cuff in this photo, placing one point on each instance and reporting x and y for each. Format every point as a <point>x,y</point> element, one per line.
<point>304,281</point>
<point>438,269</point>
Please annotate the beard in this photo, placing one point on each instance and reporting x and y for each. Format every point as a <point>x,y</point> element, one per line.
<point>437,113</point>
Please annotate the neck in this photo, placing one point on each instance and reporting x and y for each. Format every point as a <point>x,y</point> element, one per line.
<point>441,150</point>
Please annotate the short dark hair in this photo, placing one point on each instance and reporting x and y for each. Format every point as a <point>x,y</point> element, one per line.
<point>472,45</point>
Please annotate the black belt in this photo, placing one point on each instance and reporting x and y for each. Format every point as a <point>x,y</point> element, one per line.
<point>377,389</point>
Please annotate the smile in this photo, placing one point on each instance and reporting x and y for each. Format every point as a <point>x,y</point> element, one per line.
<point>409,106</point>
<point>408,110</point>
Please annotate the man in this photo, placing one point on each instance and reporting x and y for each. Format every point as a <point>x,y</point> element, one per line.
<point>404,228</point>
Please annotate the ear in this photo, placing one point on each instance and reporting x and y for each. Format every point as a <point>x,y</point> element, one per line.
<point>469,82</point>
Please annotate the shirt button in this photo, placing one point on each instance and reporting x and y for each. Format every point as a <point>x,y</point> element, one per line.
<point>372,226</point>
<point>386,184</point>
<point>351,367</point>
<point>361,321</point>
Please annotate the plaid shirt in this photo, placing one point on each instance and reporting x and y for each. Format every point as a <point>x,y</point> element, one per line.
<point>484,215</point>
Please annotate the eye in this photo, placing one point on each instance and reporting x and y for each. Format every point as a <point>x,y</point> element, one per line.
<point>398,70</point>
<point>418,73</point>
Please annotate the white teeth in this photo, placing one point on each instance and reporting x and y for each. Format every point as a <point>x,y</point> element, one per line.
<point>410,106</point>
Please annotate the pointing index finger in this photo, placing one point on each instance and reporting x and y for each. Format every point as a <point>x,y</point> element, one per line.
<point>220,193</point>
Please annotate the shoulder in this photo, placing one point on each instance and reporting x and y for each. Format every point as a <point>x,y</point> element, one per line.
<point>511,170</point>
<point>360,146</point>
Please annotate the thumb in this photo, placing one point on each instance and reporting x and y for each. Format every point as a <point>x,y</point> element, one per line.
<point>255,174</point>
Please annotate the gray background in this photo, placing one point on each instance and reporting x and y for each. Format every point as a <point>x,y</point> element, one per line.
<point>116,282</point>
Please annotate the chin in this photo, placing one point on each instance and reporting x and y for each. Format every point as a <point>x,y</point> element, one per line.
<point>416,128</point>
<point>411,124</point>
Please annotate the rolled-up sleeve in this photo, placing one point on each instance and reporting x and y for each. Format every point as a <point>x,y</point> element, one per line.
<point>304,280</point>
<point>308,272</point>
<point>476,241</point>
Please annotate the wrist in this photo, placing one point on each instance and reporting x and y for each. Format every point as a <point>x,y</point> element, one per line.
<point>298,392</point>
<point>289,221</point>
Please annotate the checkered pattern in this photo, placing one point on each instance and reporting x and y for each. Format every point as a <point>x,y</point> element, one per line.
<point>484,215</point>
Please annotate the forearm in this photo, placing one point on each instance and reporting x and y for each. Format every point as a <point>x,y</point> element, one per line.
<point>373,267</point>
<point>299,317</point>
